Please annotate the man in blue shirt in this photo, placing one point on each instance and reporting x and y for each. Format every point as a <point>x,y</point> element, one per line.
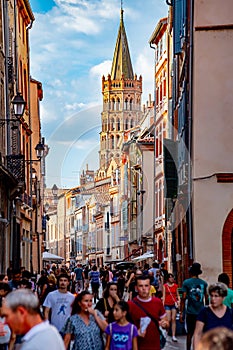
<point>79,276</point>
<point>195,292</point>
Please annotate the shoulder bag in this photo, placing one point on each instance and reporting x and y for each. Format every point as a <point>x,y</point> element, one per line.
<point>162,338</point>
<point>175,301</point>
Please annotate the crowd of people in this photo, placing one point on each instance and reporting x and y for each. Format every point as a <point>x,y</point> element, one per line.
<point>100,308</point>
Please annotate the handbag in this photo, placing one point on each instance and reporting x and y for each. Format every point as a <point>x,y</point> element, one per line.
<point>126,295</point>
<point>175,302</point>
<point>162,332</point>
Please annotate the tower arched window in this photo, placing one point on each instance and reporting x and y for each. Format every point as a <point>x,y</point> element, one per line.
<point>126,104</point>
<point>105,104</point>
<point>118,124</point>
<point>126,124</point>
<point>132,123</point>
<point>113,104</point>
<point>118,104</point>
<point>104,126</point>
<point>131,104</point>
<point>111,146</point>
<point>112,124</point>
<point>117,141</point>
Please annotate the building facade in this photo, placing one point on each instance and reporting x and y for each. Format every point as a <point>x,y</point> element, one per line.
<point>20,178</point>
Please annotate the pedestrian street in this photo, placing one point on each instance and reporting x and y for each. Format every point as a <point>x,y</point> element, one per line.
<point>181,343</point>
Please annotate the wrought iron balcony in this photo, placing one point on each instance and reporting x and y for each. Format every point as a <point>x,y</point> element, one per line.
<point>10,70</point>
<point>16,166</point>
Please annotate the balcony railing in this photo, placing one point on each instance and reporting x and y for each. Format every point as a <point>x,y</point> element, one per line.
<point>10,69</point>
<point>16,165</point>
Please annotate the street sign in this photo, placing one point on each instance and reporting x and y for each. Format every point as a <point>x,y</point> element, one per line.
<point>124,238</point>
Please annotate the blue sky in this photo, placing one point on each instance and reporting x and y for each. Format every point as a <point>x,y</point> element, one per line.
<point>71,45</point>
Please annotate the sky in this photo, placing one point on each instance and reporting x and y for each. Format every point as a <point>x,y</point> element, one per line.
<point>72,44</point>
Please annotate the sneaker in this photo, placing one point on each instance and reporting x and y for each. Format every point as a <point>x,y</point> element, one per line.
<point>174,339</point>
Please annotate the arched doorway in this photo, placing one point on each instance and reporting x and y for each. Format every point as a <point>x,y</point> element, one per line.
<point>227,245</point>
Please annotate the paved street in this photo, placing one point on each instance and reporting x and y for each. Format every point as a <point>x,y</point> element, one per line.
<point>179,345</point>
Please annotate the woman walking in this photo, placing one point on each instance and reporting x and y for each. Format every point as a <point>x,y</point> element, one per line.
<point>171,302</point>
<point>215,315</point>
<point>85,324</point>
<point>106,304</point>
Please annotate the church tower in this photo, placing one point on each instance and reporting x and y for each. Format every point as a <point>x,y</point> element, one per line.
<point>121,102</point>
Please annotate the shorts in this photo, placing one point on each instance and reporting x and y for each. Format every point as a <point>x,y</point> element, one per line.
<point>169,307</point>
<point>191,323</point>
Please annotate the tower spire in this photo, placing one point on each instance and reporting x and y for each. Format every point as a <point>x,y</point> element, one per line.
<point>122,11</point>
<point>121,64</point>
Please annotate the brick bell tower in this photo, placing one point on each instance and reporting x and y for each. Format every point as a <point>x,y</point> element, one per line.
<point>121,102</point>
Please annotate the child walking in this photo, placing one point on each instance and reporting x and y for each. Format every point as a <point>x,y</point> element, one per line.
<point>121,334</point>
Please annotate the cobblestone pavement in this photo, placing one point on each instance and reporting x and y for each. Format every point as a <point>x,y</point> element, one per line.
<point>181,344</point>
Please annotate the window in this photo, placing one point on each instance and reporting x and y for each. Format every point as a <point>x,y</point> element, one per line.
<point>113,104</point>
<point>131,104</point>
<point>118,124</point>
<point>118,104</point>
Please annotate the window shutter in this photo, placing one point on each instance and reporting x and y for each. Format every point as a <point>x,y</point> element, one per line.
<point>177,27</point>
<point>170,168</point>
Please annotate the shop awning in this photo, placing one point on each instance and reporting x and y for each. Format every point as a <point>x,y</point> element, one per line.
<point>144,256</point>
<point>51,257</point>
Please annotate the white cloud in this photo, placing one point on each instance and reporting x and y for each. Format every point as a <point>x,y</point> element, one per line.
<point>104,68</point>
<point>144,65</point>
<point>74,106</point>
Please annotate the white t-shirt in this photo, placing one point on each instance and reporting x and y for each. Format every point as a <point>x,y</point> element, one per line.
<point>60,305</point>
<point>4,339</point>
<point>42,336</point>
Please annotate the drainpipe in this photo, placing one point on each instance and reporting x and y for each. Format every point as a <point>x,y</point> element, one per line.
<point>6,49</point>
<point>30,152</point>
<point>16,48</point>
<point>190,225</point>
<point>154,174</point>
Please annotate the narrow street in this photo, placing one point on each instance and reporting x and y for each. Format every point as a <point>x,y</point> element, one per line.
<point>179,345</point>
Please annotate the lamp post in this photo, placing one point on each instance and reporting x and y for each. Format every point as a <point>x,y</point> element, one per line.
<point>36,191</point>
<point>18,105</point>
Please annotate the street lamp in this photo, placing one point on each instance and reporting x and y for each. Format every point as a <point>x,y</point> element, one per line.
<point>18,105</point>
<point>39,150</point>
<point>39,153</point>
<point>55,190</point>
<point>46,207</point>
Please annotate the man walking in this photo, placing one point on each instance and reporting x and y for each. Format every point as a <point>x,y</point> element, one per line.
<point>22,314</point>
<point>143,305</point>
<point>59,303</point>
<point>79,277</point>
<point>195,291</point>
